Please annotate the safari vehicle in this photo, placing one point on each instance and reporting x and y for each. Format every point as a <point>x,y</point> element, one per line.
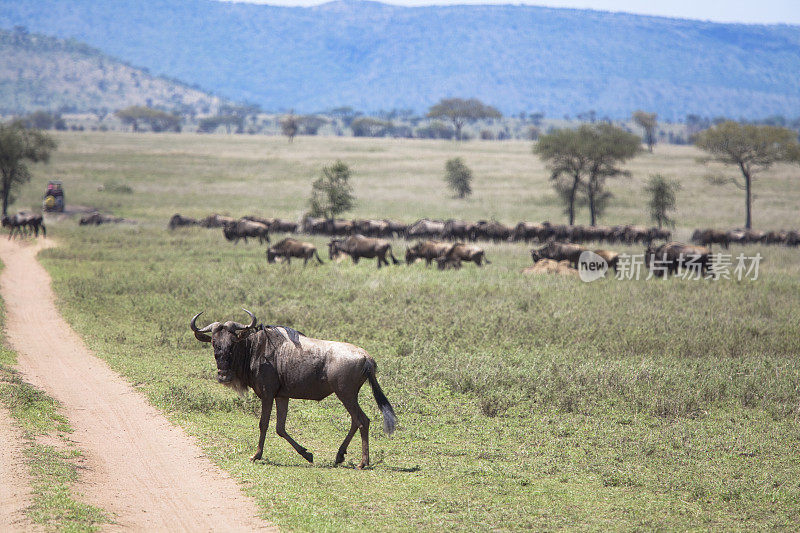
<point>53,197</point>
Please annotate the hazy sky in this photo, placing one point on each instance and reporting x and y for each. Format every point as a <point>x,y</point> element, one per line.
<point>748,11</point>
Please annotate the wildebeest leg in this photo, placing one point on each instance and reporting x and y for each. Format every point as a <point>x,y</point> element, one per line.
<point>359,420</point>
<point>281,408</point>
<point>263,424</point>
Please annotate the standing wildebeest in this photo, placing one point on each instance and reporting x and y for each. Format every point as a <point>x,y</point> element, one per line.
<point>457,230</point>
<point>22,223</point>
<point>425,229</point>
<point>279,363</point>
<point>289,248</point>
<point>672,256</point>
<point>427,250</point>
<point>491,230</point>
<point>216,221</point>
<point>467,252</point>
<point>371,228</point>
<point>709,236</point>
<point>179,220</point>
<point>358,246</point>
<point>558,251</point>
<point>242,229</point>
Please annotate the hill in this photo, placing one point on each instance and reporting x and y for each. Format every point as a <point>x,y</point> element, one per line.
<point>374,56</point>
<point>40,72</point>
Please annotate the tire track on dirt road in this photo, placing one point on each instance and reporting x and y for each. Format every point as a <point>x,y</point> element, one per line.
<point>145,472</point>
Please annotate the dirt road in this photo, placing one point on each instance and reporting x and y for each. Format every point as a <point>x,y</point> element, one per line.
<point>140,468</point>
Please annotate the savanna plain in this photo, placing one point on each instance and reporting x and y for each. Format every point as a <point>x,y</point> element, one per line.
<point>523,402</point>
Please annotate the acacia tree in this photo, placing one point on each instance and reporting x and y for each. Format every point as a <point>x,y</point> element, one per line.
<point>460,111</point>
<point>580,160</point>
<point>648,122</point>
<point>607,147</point>
<point>568,163</point>
<point>662,198</point>
<point>19,144</point>
<point>331,193</point>
<point>158,120</point>
<point>458,177</point>
<point>751,148</point>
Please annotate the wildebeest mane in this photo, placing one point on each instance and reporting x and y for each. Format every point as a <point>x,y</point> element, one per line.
<point>292,333</point>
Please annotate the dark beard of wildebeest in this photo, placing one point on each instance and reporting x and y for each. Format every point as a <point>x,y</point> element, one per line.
<point>23,223</point>
<point>558,251</point>
<point>288,248</point>
<point>179,220</point>
<point>279,364</point>
<point>358,246</point>
<point>670,257</point>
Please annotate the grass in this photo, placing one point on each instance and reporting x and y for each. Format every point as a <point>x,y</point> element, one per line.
<point>523,402</point>
<point>51,458</point>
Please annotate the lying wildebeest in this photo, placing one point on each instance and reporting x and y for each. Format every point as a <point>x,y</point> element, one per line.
<point>179,220</point>
<point>427,250</point>
<point>559,251</point>
<point>216,221</point>
<point>242,229</point>
<point>467,252</point>
<point>358,246</point>
<point>23,223</point>
<point>279,363</point>
<point>668,258</point>
<point>289,248</point>
<point>709,236</point>
<point>550,266</point>
<point>611,258</point>
<point>98,218</point>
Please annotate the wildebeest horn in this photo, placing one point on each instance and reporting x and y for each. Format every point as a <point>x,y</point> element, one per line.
<point>200,334</point>
<point>238,326</point>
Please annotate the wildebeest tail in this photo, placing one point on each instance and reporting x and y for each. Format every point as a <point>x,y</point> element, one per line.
<point>317,256</point>
<point>394,259</point>
<point>389,418</point>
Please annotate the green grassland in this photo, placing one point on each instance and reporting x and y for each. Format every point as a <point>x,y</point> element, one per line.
<point>523,402</point>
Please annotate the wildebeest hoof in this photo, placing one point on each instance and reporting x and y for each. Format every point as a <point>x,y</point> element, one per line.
<point>339,458</point>
<point>308,456</point>
<point>256,457</point>
<point>361,465</point>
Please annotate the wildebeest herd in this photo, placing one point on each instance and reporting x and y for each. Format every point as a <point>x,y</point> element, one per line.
<point>449,243</point>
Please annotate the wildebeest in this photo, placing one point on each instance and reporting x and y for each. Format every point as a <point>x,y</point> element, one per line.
<point>668,258</point>
<point>491,230</point>
<point>467,252</point>
<point>528,231</point>
<point>705,237</point>
<point>313,225</point>
<point>457,230</point>
<point>279,364</point>
<point>289,248</point>
<point>395,228</point>
<point>559,251</point>
<point>22,223</point>
<point>96,218</point>
<point>611,258</point>
<point>427,250</point>
<point>425,229</point>
<point>179,220</point>
<point>371,228</point>
<point>339,227</point>
<point>242,229</point>
<point>216,221</point>
<point>358,246</point>
<point>550,266</point>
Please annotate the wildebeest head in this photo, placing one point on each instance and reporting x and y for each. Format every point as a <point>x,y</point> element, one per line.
<point>334,248</point>
<point>224,337</point>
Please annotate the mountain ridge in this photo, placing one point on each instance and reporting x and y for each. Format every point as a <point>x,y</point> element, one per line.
<point>375,56</point>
